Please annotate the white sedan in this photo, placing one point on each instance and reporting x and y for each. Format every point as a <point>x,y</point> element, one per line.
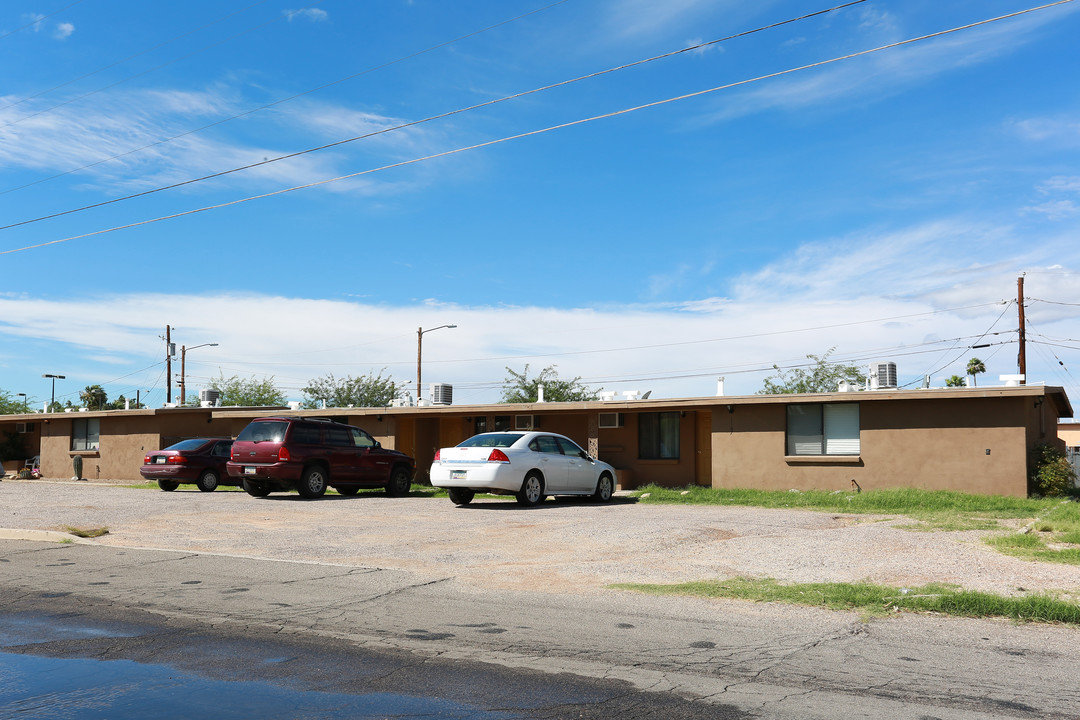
<point>529,465</point>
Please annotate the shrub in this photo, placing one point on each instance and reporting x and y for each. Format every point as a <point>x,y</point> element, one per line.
<point>1050,472</point>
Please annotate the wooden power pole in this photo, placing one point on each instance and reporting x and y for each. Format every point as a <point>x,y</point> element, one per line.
<point>1021,358</point>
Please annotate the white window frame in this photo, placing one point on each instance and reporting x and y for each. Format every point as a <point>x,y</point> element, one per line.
<point>823,429</point>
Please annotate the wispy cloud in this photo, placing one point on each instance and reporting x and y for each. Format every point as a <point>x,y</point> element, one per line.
<point>310,14</point>
<point>63,30</point>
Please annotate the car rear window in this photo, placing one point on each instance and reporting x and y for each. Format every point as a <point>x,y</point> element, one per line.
<point>500,440</point>
<point>271,431</point>
<point>193,444</point>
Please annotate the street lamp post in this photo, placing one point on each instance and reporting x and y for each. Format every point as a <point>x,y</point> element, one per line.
<point>183,358</point>
<point>419,346</point>
<point>52,399</point>
<point>23,396</point>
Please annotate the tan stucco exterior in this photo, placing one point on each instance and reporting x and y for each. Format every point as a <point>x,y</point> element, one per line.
<point>966,439</point>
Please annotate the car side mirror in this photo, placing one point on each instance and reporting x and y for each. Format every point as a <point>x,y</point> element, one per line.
<point>378,444</point>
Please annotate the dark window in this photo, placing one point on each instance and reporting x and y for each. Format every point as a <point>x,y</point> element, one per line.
<point>569,447</point>
<point>502,422</point>
<point>305,435</point>
<point>272,431</point>
<point>823,429</point>
<point>479,424</point>
<point>222,449</point>
<point>545,444</point>
<point>658,436</point>
<point>339,436</point>
<point>492,440</point>
<point>84,434</point>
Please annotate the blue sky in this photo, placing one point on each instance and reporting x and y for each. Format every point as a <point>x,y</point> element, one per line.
<point>884,205</point>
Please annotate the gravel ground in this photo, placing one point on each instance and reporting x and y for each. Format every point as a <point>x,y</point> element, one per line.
<point>558,547</point>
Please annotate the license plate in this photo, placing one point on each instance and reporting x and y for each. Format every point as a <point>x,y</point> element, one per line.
<point>159,460</point>
<point>457,474</point>
<point>248,470</point>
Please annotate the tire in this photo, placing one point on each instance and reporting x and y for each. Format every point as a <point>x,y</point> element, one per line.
<point>461,496</point>
<point>605,488</point>
<point>168,485</point>
<point>532,490</point>
<point>254,489</point>
<point>313,482</point>
<point>400,483</point>
<point>208,481</point>
<point>348,489</point>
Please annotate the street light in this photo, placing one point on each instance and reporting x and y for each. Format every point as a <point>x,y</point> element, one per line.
<point>419,345</point>
<point>54,379</point>
<point>23,396</point>
<point>183,357</point>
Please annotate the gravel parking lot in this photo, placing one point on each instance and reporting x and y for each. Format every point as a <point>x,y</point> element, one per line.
<point>562,547</point>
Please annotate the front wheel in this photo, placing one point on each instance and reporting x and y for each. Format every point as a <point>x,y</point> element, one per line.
<point>255,489</point>
<point>312,483</point>
<point>605,488</point>
<point>208,481</point>
<point>461,496</point>
<point>400,482</point>
<point>168,485</point>
<point>532,491</point>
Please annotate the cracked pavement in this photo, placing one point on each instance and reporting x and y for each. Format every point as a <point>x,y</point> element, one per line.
<point>699,658</point>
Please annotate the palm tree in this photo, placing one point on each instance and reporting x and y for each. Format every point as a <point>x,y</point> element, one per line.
<point>93,397</point>
<point>975,366</point>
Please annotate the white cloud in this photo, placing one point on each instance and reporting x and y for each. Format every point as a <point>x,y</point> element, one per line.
<point>63,31</point>
<point>1054,210</point>
<point>311,14</point>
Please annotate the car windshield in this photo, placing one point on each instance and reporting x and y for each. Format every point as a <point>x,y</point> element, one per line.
<point>272,431</point>
<point>500,440</point>
<point>193,444</point>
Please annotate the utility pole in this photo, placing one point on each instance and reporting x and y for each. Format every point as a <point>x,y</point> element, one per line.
<point>1021,359</point>
<point>168,362</point>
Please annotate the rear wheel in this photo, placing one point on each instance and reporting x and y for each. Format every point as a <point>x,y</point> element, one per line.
<point>168,485</point>
<point>255,489</point>
<point>399,483</point>
<point>532,490</point>
<point>208,481</point>
<point>313,482</point>
<point>605,488</point>
<point>461,496</point>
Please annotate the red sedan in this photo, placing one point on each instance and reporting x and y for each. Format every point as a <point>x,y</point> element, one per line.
<point>198,460</point>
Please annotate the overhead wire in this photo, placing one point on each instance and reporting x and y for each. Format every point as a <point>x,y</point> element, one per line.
<point>414,123</point>
<point>531,133</point>
<point>281,101</point>
<point>38,19</point>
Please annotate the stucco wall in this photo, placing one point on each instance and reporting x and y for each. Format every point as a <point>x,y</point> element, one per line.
<point>939,445</point>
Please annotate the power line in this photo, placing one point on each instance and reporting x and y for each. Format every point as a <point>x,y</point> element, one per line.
<point>413,123</point>
<point>518,136</point>
<point>279,102</point>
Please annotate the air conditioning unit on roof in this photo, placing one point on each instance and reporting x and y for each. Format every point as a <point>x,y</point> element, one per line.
<point>442,394</point>
<point>883,376</point>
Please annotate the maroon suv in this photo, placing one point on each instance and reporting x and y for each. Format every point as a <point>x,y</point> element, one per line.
<point>309,454</point>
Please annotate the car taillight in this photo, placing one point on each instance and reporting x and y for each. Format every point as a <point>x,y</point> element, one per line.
<point>175,460</point>
<point>438,454</point>
<point>283,454</point>
<point>146,460</point>
<point>498,456</point>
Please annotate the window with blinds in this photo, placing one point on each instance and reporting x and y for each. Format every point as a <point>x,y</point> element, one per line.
<point>823,429</point>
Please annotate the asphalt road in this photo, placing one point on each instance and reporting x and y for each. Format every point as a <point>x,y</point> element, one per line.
<point>534,652</point>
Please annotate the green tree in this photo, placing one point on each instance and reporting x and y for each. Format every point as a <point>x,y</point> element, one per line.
<point>246,393</point>
<point>975,366</point>
<point>364,391</point>
<point>10,405</point>
<point>519,388</point>
<point>93,397</point>
<point>821,376</point>
<point>955,381</point>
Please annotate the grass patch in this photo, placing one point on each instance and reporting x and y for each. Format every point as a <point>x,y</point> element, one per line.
<point>879,600</point>
<point>1035,546</point>
<point>86,532</point>
<point>932,509</point>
